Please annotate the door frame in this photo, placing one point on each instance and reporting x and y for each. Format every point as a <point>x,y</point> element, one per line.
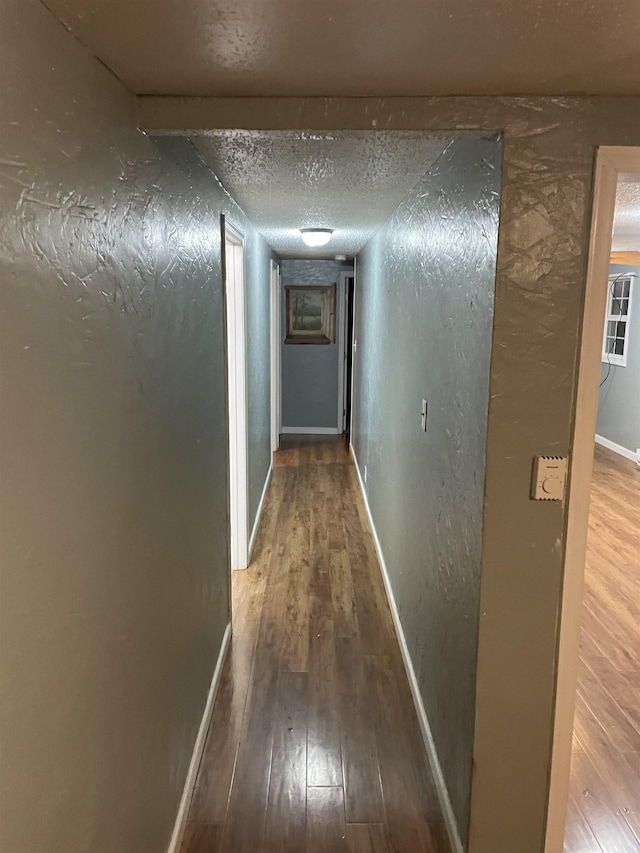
<point>343,295</point>
<point>276,397</point>
<point>353,345</point>
<point>610,162</point>
<point>234,279</point>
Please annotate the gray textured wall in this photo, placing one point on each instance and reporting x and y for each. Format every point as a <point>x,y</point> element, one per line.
<point>619,404</point>
<point>424,305</point>
<point>310,373</point>
<point>113,513</point>
<point>257,297</point>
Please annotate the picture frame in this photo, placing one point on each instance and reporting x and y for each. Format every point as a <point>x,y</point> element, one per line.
<point>310,314</point>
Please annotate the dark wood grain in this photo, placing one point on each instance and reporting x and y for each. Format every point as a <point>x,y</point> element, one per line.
<point>326,829</point>
<point>201,838</point>
<point>286,810</point>
<point>363,794</point>
<point>367,838</point>
<point>324,760</point>
<point>250,787</point>
<point>407,826</point>
<point>314,708</point>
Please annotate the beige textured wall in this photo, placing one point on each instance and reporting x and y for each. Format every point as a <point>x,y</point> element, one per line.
<point>113,507</point>
<point>549,148</point>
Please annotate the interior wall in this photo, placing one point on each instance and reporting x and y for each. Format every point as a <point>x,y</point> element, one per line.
<point>310,373</point>
<point>619,402</point>
<point>113,513</point>
<point>424,308</point>
<point>549,147</point>
<point>257,255</point>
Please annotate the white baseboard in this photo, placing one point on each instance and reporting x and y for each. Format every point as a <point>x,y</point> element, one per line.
<point>310,431</point>
<point>196,756</point>
<point>256,523</point>
<point>618,448</point>
<point>436,769</point>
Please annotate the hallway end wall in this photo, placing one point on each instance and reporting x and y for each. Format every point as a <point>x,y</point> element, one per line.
<point>113,459</point>
<point>424,308</point>
<point>310,373</point>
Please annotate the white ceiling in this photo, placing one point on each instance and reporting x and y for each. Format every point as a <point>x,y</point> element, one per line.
<point>626,223</point>
<point>363,47</point>
<point>287,180</point>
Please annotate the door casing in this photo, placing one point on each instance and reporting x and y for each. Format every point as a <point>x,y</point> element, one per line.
<point>237,396</point>
<point>610,162</point>
<point>276,400</point>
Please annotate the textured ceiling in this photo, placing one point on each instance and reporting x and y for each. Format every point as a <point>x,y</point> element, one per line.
<point>286,180</point>
<point>363,47</point>
<point>626,224</point>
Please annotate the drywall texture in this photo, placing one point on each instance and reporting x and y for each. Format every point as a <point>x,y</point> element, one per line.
<point>626,221</point>
<point>257,307</point>
<point>113,513</point>
<point>619,402</point>
<point>310,373</point>
<point>549,146</point>
<point>423,325</point>
<point>287,180</point>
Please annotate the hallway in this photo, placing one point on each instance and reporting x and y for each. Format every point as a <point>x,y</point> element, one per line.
<point>314,744</point>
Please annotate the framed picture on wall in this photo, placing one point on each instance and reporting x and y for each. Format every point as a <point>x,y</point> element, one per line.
<point>311,314</point>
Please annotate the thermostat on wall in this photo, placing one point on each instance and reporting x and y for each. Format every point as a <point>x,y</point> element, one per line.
<point>549,478</point>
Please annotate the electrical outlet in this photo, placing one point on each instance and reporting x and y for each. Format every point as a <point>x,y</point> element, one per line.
<point>423,416</point>
<point>365,473</point>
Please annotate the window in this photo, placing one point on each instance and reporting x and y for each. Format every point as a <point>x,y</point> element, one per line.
<point>616,326</point>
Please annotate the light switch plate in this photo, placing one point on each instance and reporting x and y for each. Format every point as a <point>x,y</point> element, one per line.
<point>549,478</point>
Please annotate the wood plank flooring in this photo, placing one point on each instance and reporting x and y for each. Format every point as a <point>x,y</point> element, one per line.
<point>314,743</point>
<point>604,808</point>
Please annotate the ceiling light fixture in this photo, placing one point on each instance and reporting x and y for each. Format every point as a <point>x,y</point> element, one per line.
<point>316,236</point>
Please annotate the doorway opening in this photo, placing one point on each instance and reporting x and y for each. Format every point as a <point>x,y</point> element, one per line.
<point>347,283</point>
<point>593,801</point>
<point>276,407</point>
<point>304,605</point>
<point>237,391</point>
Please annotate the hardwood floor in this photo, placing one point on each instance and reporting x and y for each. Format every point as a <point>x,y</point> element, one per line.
<point>604,808</point>
<point>314,743</point>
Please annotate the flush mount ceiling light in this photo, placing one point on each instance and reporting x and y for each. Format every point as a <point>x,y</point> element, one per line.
<point>316,236</point>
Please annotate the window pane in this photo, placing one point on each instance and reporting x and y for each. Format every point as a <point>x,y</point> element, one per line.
<point>625,307</point>
<point>619,350</point>
<point>610,345</point>
<point>620,331</point>
<point>618,288</point>
<point>615,307</point>
<point>611,328</point>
